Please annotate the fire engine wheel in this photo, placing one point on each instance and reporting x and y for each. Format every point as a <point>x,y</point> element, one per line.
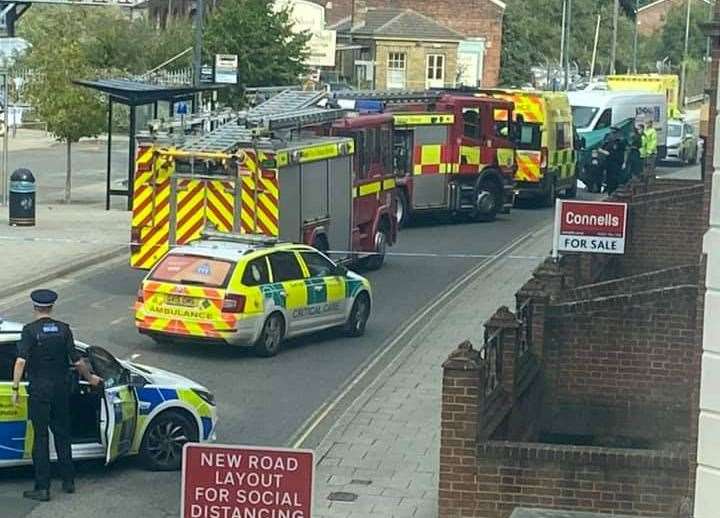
<point>375,261</point>
<point>571,192</point>
<point>271,337</point>
<point>551,194</point>
<point>402,209</point>
<point>321,243</point>
<point>487,201</point>
<point>359,314</point>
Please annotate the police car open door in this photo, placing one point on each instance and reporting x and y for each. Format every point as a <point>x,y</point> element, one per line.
<point>118,411</point>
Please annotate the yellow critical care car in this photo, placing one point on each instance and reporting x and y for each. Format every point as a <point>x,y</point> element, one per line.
<point>249,290</point>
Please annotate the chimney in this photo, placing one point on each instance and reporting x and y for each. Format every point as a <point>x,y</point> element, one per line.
<point>359,12</point>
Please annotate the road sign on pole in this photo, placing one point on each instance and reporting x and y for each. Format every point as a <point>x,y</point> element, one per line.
<point>590,226</point>
<point>226,69</point>
<point>222,480</point>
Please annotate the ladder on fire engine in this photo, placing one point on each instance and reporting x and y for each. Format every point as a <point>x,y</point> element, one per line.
<point>230,136</point>
<point>286,110</point>
<point>394,96</point>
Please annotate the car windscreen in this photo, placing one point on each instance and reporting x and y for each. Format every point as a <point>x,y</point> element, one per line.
<point>193,270</point>
<point>583,115</point>
<point>674,130</point>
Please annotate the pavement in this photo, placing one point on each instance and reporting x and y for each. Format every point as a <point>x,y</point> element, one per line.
<point>65,238</point>
<point>383,452</point>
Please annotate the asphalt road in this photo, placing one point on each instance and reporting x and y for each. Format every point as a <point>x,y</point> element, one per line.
<point>261,401</point>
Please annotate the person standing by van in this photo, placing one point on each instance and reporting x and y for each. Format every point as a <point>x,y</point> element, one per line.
<point>650,148</point>
<point>634,165</point>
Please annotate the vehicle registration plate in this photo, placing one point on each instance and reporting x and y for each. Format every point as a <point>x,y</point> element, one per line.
<point>178,300</point>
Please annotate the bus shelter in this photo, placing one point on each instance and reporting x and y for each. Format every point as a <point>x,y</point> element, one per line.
<point>139,95</point>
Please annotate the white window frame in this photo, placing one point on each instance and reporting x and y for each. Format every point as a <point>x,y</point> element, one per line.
<point>432,70</point>
<point>396,76</point>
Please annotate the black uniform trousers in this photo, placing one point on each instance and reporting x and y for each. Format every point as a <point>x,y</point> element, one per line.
<point>51,412</point>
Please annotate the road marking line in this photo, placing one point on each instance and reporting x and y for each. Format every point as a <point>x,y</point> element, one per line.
<point>321,413</point>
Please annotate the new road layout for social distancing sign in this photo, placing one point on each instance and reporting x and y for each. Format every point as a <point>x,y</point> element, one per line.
<point>590,226</point>
<point>220,481</point>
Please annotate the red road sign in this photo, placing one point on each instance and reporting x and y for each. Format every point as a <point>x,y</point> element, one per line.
<point>589,226</point>
<point>239,481</point>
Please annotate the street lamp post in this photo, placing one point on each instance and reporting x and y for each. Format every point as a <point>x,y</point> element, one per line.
<point>635,36</point>
<point>683,70</point>
<point>197,48</point>
<point>613,48</point>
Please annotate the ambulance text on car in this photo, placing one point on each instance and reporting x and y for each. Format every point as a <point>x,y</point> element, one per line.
<point>249,290</point>
<point>139,410</point>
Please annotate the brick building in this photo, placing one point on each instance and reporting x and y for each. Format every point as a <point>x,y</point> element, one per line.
<point>651,17</point>
<point>479,21</point>
<point>396,49</point>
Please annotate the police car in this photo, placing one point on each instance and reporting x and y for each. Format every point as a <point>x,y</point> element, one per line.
<point>138,410</point>
<point>250,291</point>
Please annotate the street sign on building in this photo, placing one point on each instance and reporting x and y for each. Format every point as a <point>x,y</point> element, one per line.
<point>590,226</point>
<point>221,480</point>
<point>226,69</point>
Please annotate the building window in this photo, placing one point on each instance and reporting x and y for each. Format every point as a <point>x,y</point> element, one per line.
<point>396,70</point>
<point>435,77</point>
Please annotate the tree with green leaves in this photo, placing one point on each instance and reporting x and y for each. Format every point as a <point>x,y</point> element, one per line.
<point>269,51</point>
<point>54,61</point>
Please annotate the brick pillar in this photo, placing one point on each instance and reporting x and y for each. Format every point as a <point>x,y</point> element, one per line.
<point>458,428</point>
<point>551,276</point>
<point>534,289</point>
<point>505,320</point>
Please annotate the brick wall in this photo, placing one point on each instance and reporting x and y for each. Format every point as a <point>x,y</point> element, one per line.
<point>666,227</point>
<point>612,480</point>
<point>627,360</point>
<point>479,19</point>
<point>653,18</point>
<point>416,55</point>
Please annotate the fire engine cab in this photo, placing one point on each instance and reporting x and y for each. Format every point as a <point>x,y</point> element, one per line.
<point>452,153</point>
<point>285,168</point>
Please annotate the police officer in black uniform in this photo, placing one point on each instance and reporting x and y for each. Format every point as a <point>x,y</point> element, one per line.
<point>47,349</point>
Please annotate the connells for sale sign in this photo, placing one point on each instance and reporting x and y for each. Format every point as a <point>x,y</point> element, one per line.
<point>590,226</point>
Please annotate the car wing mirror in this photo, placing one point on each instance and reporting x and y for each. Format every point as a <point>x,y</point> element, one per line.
<point>340,270</point>
<point>137,381</point>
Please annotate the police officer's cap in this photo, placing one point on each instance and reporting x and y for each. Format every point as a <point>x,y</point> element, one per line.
<point>43,298</point>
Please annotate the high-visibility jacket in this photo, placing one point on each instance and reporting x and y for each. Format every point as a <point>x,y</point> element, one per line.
<point>650,141</point>
<point>643,145</point>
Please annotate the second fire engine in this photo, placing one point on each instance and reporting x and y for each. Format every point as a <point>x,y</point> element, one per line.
<point>453,153</point>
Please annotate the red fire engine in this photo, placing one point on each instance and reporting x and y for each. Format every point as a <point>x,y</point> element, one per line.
<point>285,169</point>
<point>451,152</point>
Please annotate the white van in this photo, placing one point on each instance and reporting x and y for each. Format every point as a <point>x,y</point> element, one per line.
<point>595,110</point>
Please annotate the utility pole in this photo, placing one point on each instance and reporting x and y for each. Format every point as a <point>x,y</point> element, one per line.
<point>683,70</point>
<point>568,25</point>
<point>613,48</point>
<point>562,32</point>
<point>635,36</point>
<point>595,45</point>
<point>197,48</point>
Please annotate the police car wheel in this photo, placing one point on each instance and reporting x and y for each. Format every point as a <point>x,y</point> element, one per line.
<point>165,436</point>
<point>359,314</point>
<point>271,336</point>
